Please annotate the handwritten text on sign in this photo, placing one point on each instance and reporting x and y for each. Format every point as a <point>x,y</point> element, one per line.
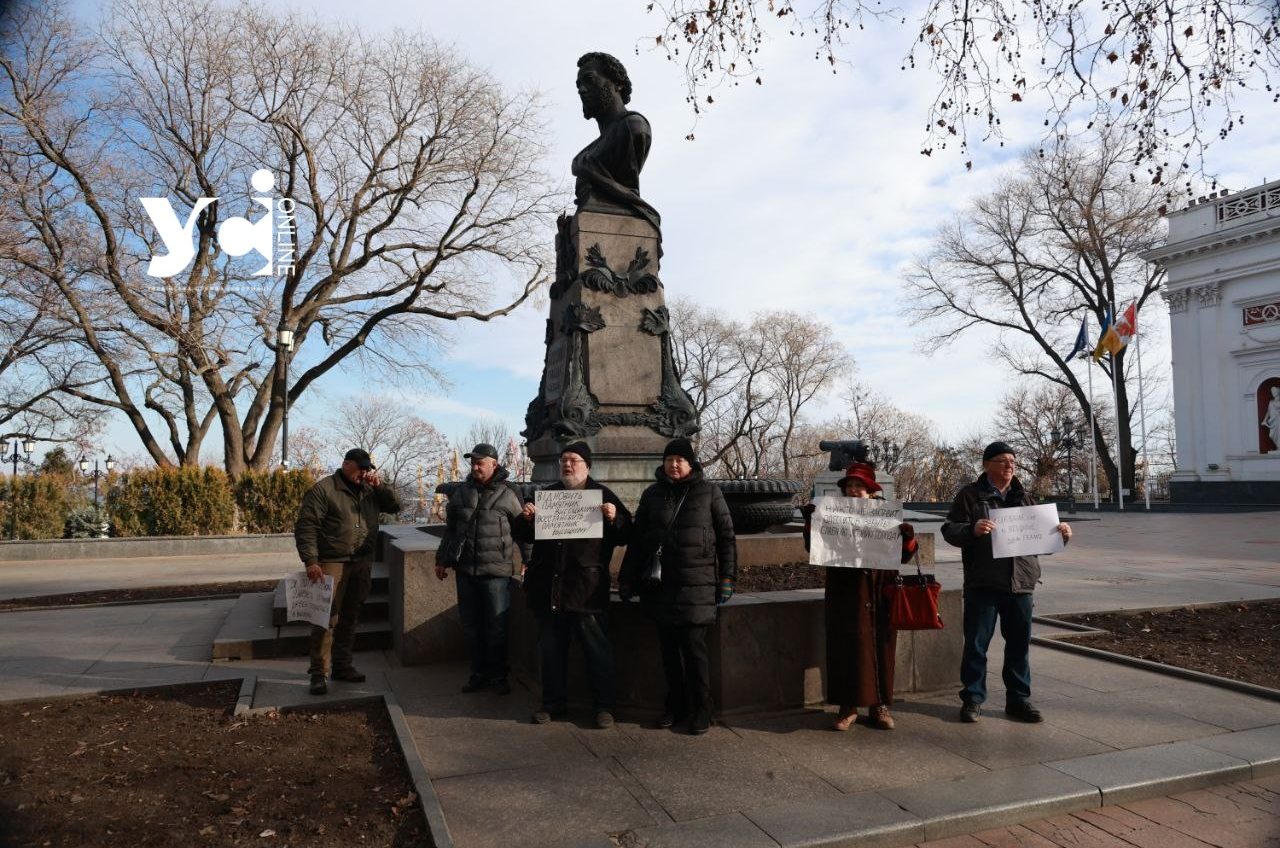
<point>1025,531</point>
<point>856,533</point>
<point>310,602</point>
<point>569,514</point>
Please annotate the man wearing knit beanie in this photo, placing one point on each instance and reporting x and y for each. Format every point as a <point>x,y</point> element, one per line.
<point>567,587</point>
<point>994,588</point>
<point>581,449</point>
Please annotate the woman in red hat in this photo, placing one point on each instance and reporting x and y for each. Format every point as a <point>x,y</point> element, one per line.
<point>860,643</point>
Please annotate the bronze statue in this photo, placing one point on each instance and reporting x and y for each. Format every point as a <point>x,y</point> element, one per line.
<point>608,169</point>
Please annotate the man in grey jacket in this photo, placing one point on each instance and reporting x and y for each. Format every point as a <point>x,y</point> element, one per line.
<point>994,588</point>
<point>483,530</point>
<point>335,532</point>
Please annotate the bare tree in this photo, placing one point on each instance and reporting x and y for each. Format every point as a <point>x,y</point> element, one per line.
<point>1059,242</point>
<point>1168,73</point>
<point>1028,418</point>
<point>809,359</point>
<point>36,358</point>
<point>402,444</point>
<point>922,468</point>
<point>407,182</point>
<point>309,447</point>
<point>750,383</point>
<point>722,364</point>
<point>490,431</point>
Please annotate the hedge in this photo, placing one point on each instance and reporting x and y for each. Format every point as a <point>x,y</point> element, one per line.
<point>172,502</point>
<point>156,502</point>
<point>269,501</point>
<point>43,502</point>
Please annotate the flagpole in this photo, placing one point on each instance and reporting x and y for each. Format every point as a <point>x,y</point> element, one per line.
<point>1115,388</point>
<point>1093,442</point>
<point>1142,407</point>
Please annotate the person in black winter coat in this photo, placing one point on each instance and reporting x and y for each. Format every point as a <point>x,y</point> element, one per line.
<point>686,517</point>
<point>483,530</point>
<point>994,588</point>
<point>567,587</point>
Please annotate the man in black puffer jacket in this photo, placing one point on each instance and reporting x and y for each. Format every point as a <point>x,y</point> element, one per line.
<point>567,587</point>
<point>685,516</point>
<point>483,530</point>
<point>994,587</point>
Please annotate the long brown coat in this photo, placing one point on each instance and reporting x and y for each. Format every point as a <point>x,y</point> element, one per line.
<point>861,646</point>
<point>860,643</point>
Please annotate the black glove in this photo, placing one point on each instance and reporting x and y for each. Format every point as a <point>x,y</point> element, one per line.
<point>624,593</point>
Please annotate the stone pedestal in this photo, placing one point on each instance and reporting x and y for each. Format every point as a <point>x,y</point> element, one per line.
<point>608,377</point>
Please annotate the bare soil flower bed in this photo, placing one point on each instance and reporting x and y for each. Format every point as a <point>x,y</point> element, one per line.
<point>176,767</point>
<point>1238,640</point>
<point>779,578</point>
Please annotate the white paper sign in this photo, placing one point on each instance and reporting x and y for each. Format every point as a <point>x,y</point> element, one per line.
<point>1025,531</point>
<point>307,601</point>
<point>856,533</point>
<point>567,514</point>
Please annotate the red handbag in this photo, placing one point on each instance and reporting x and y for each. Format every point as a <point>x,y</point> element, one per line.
<point>913,601</point>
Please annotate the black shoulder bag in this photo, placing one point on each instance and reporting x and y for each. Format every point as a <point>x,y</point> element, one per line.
<point>652,576</point>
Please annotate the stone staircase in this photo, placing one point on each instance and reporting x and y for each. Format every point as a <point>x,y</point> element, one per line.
<point>256,628</point>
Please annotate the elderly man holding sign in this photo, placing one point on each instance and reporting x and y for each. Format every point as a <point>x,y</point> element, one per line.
<point>1000,541</point>
<point>577,523</point>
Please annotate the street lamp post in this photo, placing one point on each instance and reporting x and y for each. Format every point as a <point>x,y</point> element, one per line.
<point>84,469</point>
<point>1067,438</point>
<point>28,444</point>
<point>284,339</point>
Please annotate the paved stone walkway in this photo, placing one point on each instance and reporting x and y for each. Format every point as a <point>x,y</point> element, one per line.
<point>1112,735</point>
<point>1233,815</point>
<point>31,578</point>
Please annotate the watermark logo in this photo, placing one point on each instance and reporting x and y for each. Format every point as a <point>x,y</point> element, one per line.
<point>271,236</point>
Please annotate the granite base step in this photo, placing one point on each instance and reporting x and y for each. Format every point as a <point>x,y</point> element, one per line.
<point>248,633</point>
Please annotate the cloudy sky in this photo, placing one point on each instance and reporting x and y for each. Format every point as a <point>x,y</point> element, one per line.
<point>806,193</point>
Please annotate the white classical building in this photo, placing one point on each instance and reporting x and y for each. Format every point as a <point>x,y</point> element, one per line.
<point>1223,291</point>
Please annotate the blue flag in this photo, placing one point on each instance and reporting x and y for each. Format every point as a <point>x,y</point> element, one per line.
<point>1082,338</point>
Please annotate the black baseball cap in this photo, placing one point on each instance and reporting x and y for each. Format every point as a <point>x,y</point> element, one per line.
<point>361,458</point>
<point>482,450</point>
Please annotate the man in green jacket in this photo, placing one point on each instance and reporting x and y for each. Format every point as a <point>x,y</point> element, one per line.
<point>335,533</point>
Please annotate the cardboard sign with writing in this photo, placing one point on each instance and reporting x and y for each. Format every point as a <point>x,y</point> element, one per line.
<point>567,514</point>
<point>1025,531</point>
<point>309,602</point>
<point>856,533</point>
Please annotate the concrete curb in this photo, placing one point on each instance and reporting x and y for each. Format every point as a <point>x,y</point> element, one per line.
<point>248,684</point>
<point>145,546</point>
<point>124,690</point>
<point>947,808</point>
<point>431,809</point>
<point>176,600</point>
<point>1060,643</point>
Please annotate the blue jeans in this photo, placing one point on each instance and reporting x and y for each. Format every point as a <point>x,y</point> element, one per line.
<point>555,631</point>
<point>484,605</point>
<point>981,607</point>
